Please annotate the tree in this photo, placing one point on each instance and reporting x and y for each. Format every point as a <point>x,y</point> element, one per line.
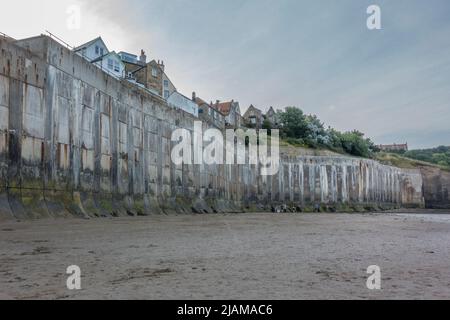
<point>354,143</point>
<point>293,123</point>
<point>267,124</point>
<point>315,134</point>
<point>300,129</point>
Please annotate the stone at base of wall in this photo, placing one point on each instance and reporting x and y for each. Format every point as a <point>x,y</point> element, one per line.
<point>30,205</point>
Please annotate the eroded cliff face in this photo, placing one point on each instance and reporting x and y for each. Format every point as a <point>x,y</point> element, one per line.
<point>436,187</point>
<point>75,141</point>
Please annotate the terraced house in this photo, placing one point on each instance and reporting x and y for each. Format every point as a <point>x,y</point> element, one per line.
<point>232,112</point>
<point>253,117</point>
<point>208,113</point>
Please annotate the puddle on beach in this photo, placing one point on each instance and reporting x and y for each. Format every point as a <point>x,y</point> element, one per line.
<point>435,217</point>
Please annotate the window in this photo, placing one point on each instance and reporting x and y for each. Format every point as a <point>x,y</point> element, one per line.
<point>116,67</point>
<point>110,63</point>
<point>166,94</point>
<point>97,49</point>
<point>154,72</point>
<point>101,52</point>
<point>166,83</point>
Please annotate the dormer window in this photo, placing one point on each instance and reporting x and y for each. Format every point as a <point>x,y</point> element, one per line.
<point>154,72</point>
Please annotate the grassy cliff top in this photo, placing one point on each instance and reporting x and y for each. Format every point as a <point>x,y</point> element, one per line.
<point>397,160</point>
<point>392,159</point>
<point>293,151</point>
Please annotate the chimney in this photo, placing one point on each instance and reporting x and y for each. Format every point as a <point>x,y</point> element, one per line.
<point>217,102</point>
<point>193,96</point>
<point>161,64</point>
<point>143,57</point>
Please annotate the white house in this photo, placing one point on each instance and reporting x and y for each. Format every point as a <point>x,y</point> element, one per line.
<point>177,100</point>
<point>92,50</point>
<point>111,63</point>
<point>128,57</point>
<point>133,59</point>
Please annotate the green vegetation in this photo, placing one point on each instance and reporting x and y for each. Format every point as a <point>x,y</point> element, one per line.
<point>266,124</point>
<point>439,156</point>
<point>401,161</point>
<point>307,131</point>
<point>398,160</point>
<point>302,130</point>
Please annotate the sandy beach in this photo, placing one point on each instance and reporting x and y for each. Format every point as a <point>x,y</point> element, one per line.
<point>242,256</point>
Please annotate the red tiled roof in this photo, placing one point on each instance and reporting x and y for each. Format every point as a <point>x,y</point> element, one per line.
<point>200,101</point>
<point>224,107</point>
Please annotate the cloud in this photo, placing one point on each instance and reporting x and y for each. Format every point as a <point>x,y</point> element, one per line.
<point>390,83</point>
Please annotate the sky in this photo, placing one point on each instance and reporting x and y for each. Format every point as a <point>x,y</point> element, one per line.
<point>392,84</point>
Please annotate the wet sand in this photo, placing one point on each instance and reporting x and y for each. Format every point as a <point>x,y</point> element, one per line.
<point>245,256</point>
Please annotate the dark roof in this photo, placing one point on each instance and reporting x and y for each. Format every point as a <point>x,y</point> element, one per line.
<point>252,107</point>
<point>271,110</point>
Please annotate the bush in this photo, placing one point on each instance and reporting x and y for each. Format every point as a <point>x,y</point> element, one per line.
<point>266,124</point>
<point>300,129</point>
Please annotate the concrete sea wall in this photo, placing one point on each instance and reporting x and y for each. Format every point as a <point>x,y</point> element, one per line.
<point>436,188</point>
<point>77,142</point>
